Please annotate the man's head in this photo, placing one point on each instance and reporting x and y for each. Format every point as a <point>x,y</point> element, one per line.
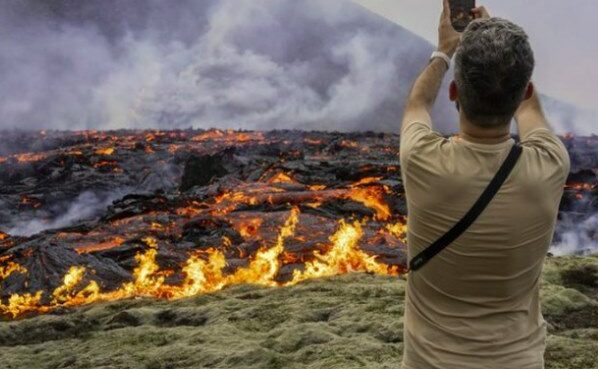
<point>493,67</point>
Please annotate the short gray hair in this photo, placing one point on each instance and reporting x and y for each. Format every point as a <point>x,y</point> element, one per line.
<point>493,66</point>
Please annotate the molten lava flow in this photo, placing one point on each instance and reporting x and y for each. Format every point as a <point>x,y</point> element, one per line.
<point>366,181</point>
<point>372,197</point>
<point>249,228</point>
<point>30,201</point>
<point>105,151</point>
<point>29,157</point>
<point>281,178</point>
<point>105,163</point>
<point>233,224</point>
<point>581,186</point>
<point>228,136</point>
<point>116,241</point>
<point>204,272</point>
<point>10,268</point>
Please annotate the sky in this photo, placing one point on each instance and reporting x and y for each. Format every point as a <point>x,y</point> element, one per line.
<point>269,64</point>
<point>563,35</point>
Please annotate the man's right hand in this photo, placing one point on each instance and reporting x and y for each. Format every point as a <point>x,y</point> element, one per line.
<point>480,13</point>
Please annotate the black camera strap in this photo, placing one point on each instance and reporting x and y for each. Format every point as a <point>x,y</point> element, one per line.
<point>501,176</point>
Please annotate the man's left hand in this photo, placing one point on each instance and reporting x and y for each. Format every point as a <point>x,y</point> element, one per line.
<point>448,38</point>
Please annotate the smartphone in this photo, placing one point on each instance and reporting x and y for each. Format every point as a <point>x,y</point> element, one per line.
<point>461,14</point>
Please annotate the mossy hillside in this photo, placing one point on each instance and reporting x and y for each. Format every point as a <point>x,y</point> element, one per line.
<point>351,321</point>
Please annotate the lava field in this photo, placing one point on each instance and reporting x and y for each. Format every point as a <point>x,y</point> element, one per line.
<point>94,216</point>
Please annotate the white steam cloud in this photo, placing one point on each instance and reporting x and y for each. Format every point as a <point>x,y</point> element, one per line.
<point>86,206</point>
<point>251,64</point>
<point>248,64</point>
<point>580,239</point>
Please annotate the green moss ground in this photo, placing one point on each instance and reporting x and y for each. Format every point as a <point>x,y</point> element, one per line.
<point>352,321</point>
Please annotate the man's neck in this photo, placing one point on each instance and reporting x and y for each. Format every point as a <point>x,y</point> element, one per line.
<point>489,136</point>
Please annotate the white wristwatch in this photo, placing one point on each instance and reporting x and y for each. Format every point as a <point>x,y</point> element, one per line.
<point>443,56</point>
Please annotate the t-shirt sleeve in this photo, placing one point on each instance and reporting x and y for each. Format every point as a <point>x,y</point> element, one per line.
<point>548,151</point>
<point>412,137</point>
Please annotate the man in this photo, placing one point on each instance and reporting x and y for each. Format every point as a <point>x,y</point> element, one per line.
<point>475,305</point>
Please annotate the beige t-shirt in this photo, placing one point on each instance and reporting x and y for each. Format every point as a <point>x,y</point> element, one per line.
<point>476,305</point>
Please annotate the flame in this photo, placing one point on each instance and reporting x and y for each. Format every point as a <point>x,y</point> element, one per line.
<point>281,178</point>
<point>10,268</point>
<point>29,157</point>
<point>250,228</point>
<point>228,136</point>
<point>205,274</point>
<point>343,257</point>
<point>399,230</point>
<point>365,181</point>
<point>207,270</point>
<point>311,141</point>
<point>226,242</point>
<point>145,282</point>
<point>209,135</point>
<point>173,148</point>
<point>105,163</point>
<point>264,267</point>
<point>73,277</point>
<point>581,186</point>
<point>26,200</point>
<point>105,151</point>
<point>156,226</point>
<point>316,187</point>
<point>349,144</point>
<point>21,304</point>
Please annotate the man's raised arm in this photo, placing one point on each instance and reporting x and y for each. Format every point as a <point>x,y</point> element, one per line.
<point>530,115</point>
<point>425,90</point>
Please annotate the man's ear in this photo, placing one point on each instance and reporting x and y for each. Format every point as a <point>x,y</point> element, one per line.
<point>529,91</point>
<point>453,91</point>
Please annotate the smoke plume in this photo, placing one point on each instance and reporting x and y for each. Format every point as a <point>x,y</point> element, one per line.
<point>267,64</point>
<point>86,206</point>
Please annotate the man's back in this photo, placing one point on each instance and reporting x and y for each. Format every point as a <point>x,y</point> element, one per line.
<point>476,304</point>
